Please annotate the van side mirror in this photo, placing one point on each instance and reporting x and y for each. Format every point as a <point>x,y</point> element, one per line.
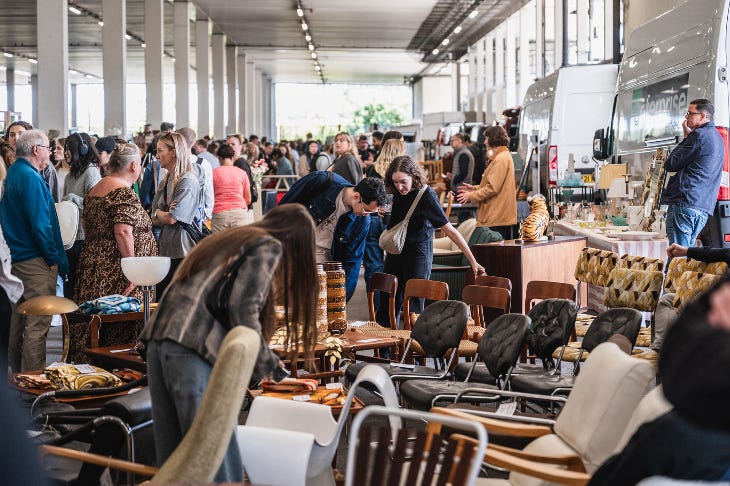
<point>600,144</point>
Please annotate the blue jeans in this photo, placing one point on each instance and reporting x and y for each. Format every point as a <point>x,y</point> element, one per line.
<point>373,258</point>
<point>178,377</point>
<point>684,225</point>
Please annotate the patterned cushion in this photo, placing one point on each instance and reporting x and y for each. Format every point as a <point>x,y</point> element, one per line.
<point>595,265</point>
<point>635,262</point>
<point>679,266</point>
<point>643,340</point>
<point>638,289</point>
<point>691,284</point>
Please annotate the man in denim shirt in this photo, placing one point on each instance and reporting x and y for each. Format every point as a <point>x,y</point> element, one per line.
<point>692,192</point>
<point>340,212</point>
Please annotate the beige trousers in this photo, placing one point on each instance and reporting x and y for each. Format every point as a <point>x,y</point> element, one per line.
<point>229,219</point>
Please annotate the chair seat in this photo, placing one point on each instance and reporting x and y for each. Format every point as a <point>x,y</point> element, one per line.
<point>417,372</point>
<point>467,348</point>
<point>540,384</point>
<point>581,328</point>
<point>648,355</point>
<point>420,393</point>
<point>480,374</point>
<point>572,351</point>
<point>474,332</point>
<point>644,339</point>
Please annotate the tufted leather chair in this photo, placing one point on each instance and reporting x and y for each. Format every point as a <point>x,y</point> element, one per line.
<point>498,349</point>
<point>438,331</point>
<point>622,320</point>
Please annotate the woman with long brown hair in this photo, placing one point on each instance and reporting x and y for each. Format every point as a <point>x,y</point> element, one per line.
<point>183,337</point>
<point>346,162</point>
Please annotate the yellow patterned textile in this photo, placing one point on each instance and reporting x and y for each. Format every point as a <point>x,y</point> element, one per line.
<point>594,266</point>
<point>635,262</point>
<point>638,289</point>
<point>690,285</point>
<point>80,377</point>
<point>679,266</point>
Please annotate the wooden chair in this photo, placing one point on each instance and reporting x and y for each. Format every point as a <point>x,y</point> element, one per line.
<point>489,281</point>
<point>387,283</point>
<point>424,289</point>
<point>479,297</point>
<point>198,457</point>
<point>81,331</point>
<point>374,459</point>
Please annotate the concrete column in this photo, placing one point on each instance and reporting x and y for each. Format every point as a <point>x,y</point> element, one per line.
<point>558,18</point>
<point>471,80</point>
<point>258,103</point>
<point>269,92</point>
<point>219,94</point>
<point>540,38</point>
<point>242,103</point>
<point>74,106</point>
<point>231,76</point>
<point>510,89</point>
<point>527,20</point>
<point>455,86</point>
<point>499,101</point>
<point>480,75</point>
<point>250,87</point>
<point>115,66</point>
<point>52,65</point>
<point>202,70</point>
<point>34,97</point>
<point>608,28</point>
<point>10,85</point>
<point>489,77</point>
<point>582,30</point>
<point>181,34</point>
<point>154,31</point>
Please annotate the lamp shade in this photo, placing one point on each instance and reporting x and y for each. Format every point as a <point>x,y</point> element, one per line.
<point>145,270</point>
<point>47,305</point>
<point>617,188</point>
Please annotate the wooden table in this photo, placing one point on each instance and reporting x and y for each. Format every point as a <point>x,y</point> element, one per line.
<point>117,356</point>
<point>76,402</point>
<point>551,260</point>
<point>322,391</point>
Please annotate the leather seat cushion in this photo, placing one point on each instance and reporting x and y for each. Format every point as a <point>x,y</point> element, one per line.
<point>420,393</point>
<point>133,408</point>
<point>540,384</point>
<point>480,374</point>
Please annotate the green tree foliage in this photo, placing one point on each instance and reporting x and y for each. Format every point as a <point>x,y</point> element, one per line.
<point>365,117</point>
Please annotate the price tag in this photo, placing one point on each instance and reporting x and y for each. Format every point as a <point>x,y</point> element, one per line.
<point>301,398</point>
<point>84,368</point>
<point>507,408</point>
<point>333,386</point>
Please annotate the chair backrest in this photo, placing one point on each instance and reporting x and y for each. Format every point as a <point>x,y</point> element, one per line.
<point>637,262</point>
<point>449,203</point>
<point>440,327</point>
<point>651,407</point>
<point>501,343</point>
<point>621,320</point>
<point>198,457</point>
<point>387,283</point>
<point>542,289</point>
<point>594,265</point>
<point>478,297</point>
<point>426,289</point>
<point>600,406</point>
<point>373,459</point>
<point>638,289</point>
<point>678,266</point>
<point>489,281</point>
<point>692,284</point>
<point>552,322</point>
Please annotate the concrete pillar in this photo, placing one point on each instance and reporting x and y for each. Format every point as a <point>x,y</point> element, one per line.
<point>608,28</point>
<point>231,76</point>
<point>479,79</point>
<point>455,86</point>
<point>582,31</point>
<point>74,106</point>
<point>242,101</point>
<point>34,98</point>
<point>202,71</point>
<point>499,101</point>
<point>510,88</point>
<point>114,49</point>
<point>10,88</point>
<point>540,38</point>
<point>181,41</point>
<point>558,19</point>
<point>218,49</point>
<point>270,112</point>
<point>527,20</point>
<point>154,31</point>
<point>471,80</point>
<point>258,102</point>
<point>250,105</point>
<point>489,77</point>
<point>52,65</point>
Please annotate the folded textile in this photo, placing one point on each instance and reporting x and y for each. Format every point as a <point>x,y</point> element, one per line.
<point>110,304</point>
<point>79,377</point>
<point>290,385</point>
<point>33,381</point>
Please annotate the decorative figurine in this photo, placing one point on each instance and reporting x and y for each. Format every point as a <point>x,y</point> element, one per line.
<point>519,239</point>
<point>536,223</point>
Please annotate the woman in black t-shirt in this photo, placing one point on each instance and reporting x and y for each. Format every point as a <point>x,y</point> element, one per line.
<point>404,178</point>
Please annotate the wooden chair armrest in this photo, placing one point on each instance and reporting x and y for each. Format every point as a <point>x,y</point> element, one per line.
<point>572,461</point>
<point>99,460</point>
<point>535,469</point>
<point>496,426</point>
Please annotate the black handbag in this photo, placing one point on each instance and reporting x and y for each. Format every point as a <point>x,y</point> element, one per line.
<point>195,233</point>
<point>220,294</point>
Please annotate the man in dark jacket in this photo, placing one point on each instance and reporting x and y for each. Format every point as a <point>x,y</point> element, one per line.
<point>340,212</point>
<point>692,192</point>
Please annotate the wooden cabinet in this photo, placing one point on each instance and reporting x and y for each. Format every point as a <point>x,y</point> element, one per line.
<point>551,260</point>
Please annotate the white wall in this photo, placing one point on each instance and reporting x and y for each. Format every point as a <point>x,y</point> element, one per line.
<point>436,94</point>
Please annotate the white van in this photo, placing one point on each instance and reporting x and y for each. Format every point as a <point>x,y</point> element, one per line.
<point>677,57</point>
<point>560,113</point>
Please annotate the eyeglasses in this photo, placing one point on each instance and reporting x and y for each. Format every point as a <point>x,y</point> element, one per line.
<point>365,210</point>
<point>47,147</point>
<point>690,113</point>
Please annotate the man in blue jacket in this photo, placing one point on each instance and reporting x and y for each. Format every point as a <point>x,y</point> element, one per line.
<point>340,212</point>
<point>692,192</point>
<point>30,226</point>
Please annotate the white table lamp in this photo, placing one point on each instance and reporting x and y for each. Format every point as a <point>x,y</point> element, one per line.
<point>146,272</point>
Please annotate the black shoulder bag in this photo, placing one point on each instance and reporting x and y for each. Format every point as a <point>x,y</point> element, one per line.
<point>220,294</point>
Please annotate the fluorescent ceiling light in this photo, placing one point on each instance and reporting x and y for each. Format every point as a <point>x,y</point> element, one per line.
<point>144,45</point>
<point>33,61</point>
<point>473,13</point>
<point>128,37</point>
<point>314,55</point>
<point>7,54</point>
<point>74,10</point>
<point>304,26</point>
<point>311,47</point>
<point>435,52</point>
<point>445,42</point>
<point>457,29</point>
<point>300,12</point>
<point>308,38</point>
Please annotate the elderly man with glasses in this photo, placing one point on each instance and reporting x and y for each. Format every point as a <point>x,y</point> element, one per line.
<point>31,229</point>
<point>340,211</point>
<point>692,191</point>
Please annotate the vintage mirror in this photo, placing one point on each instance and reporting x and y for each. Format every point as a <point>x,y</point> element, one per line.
<point>654,178</point>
